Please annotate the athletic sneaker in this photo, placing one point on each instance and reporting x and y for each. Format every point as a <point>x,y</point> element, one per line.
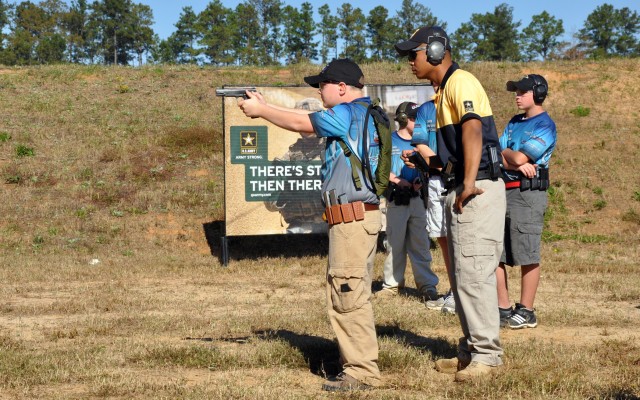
<point>522,317</point>
<point>428,293</point>
<point>505,313</point>
<point>437,303</point>
<point>449,306</point>
<point>344,383</point>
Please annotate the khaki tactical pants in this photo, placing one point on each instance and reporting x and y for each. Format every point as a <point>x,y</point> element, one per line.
<point>352,248</point>
<point>475,245</point>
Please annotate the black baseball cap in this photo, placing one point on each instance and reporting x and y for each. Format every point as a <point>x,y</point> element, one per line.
<point>427,35</point>
<point>341,70</point>
<point>409,108</point>
<point>526,83</point>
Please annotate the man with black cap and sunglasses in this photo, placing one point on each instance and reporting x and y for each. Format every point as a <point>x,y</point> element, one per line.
<point>352,237</point>
<point>468,149</point>
<point>528,142</point>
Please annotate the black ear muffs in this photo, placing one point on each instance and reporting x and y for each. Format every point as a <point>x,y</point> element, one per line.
<point>540,89</point>
<point>435,51</point>
<point>401,117</point>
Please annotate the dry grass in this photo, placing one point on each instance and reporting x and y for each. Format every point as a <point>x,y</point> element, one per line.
<point>124,166</point>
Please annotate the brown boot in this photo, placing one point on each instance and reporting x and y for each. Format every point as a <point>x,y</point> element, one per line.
<point>475,370</point>
<point>451,365</point>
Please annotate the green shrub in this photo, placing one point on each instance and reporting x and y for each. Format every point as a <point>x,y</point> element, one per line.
<point>600,204</point>
<point>581,111</point>
<point>24,151</point>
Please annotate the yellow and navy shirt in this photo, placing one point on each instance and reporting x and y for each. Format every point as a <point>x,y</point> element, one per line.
<point>460,98</point>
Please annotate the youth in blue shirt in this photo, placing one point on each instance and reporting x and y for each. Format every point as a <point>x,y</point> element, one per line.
<point>406,217</point>
<point>528,142</point>
<point>424,137</point>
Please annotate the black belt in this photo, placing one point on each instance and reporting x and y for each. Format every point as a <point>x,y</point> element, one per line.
<point>483,174</point>
<point>480,176</point>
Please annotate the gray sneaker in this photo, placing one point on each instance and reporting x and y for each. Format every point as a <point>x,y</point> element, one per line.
<point>449,306</point>
<point>437,303</point>
<point>505,314</point>
<point>522,317</point>
<point>344,383</point>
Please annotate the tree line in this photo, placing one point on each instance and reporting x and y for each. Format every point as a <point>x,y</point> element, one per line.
<point>268,32</point>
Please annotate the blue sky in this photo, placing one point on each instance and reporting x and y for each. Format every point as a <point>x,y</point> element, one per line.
<point>454,12</point>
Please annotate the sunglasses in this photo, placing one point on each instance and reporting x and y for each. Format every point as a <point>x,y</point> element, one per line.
<point>413,53</point>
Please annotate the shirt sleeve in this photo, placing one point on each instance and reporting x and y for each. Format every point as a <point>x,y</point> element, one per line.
<point>425,126</point>
<point>504,138</point>
<point>468,99</point>
<point>334,122</point>
<point>542,139</point>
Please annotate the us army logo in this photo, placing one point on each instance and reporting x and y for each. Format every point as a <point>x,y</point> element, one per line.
<point>468,105</point>
<point>248,142</point>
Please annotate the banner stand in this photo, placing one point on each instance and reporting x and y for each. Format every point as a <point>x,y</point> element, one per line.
<point>272,176</point>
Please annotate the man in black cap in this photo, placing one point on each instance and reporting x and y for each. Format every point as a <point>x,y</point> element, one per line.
<point>468,148</point>
<point>353,234</point>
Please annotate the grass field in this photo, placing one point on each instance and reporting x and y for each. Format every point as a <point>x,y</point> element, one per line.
<point>110,280</point>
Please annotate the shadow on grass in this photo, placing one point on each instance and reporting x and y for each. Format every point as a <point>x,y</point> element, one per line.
<point>617,394</point>
<point>323,355</point>
<point>437,347</point>
<point>253,247</point>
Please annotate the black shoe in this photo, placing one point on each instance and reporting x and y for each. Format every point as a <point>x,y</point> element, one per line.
<point>344,383</point>
<point>505,313</point>
<point>522,318</point>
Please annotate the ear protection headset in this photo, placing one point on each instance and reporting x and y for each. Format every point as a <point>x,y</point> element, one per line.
<point>436,49</point>
<point>539,88</point>
<point>401,116</point>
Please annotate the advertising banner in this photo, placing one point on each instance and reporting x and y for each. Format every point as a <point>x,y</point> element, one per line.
<point>272,176</point>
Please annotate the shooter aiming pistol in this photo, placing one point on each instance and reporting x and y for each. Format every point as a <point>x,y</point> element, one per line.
<point>235,92</point>
<point>422,166</point>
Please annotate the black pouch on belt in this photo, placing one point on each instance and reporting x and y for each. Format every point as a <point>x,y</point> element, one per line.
<point>544,179</point>
<point>535,181</point>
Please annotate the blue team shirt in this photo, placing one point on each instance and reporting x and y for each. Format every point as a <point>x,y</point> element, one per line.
<point>535,137</point>
<point>397,165</point>
<point>424,131</point>
<point>346,122</point>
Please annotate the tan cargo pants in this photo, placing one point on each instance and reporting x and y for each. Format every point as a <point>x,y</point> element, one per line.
<point>352,249</point>
<point>475,245</point>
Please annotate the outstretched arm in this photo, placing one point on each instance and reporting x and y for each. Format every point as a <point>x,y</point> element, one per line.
<point>285,118</point>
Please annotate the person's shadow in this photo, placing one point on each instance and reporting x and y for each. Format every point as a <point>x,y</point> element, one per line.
<point>323,355</point>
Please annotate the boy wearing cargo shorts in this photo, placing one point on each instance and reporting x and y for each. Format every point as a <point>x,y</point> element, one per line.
<point>527,142</point>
